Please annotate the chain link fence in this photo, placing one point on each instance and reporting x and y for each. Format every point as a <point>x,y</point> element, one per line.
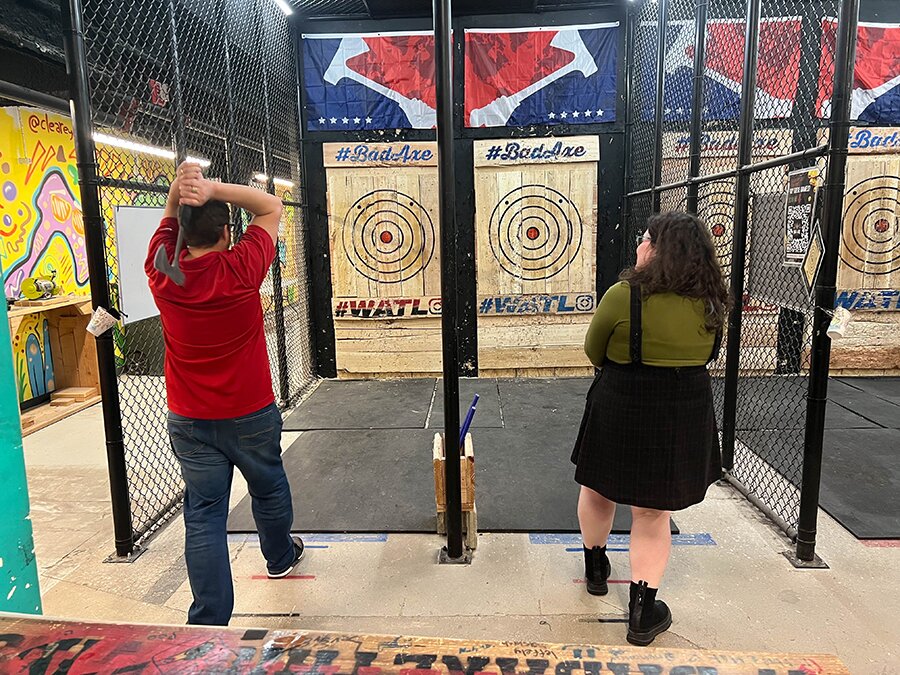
<point>695,167</point>
<point>215,81</point>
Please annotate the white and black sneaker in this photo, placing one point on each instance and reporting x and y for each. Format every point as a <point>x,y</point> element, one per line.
<point>298,556</point>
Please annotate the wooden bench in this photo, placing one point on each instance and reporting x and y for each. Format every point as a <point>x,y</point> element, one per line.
<point>51,645</point>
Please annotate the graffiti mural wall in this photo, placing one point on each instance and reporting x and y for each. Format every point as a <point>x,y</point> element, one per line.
<point>31,356</point>
<point>41,229</point>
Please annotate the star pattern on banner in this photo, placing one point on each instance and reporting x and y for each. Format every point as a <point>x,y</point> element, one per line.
<point>345,121</point>
<point>575,114</point>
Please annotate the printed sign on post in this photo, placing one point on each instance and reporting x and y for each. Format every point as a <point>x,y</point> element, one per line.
<point>800,206</point>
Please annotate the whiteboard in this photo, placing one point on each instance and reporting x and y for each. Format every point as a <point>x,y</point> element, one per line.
<point>135,226</point>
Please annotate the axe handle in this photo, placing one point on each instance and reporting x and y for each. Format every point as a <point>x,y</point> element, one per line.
<point>185,213</point>
<point>407,105</point>
<point>502,108</point>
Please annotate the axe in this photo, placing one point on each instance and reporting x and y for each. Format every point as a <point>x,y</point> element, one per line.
<point>161,261</point>
<point>419,113</point>
<point>497,112</point>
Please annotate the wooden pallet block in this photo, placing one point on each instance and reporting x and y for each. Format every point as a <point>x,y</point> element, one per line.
<point>74,393</point>
<point>466,473</point>
<point>61,402</point>
<point>45,415</point>
<point>467,488</point>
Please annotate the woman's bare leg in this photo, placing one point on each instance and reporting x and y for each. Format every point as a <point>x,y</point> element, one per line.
<point>651,542</point>
<point>595,516</point>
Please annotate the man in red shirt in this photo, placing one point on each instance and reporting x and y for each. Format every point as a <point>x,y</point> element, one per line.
<point>222,411</point>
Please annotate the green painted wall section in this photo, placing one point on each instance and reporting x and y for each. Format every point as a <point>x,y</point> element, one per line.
<point>19,590</point>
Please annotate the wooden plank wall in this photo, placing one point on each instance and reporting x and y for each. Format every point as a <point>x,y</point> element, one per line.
<point>870,258</point>
<point>535,233</point>
<point>870,242</point>
<point>716,208</point>
<point>395,197</point>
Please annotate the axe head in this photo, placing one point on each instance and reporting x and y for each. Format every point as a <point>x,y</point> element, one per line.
<point>570,41</point>
<point>349,48</point>
<point>161,260</point>
<point>162,264</point>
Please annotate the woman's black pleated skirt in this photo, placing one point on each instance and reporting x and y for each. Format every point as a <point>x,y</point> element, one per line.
<point>649,437</point>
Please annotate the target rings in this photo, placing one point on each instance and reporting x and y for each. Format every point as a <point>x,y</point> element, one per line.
<point>871,223</point>
<point>535,232</point>
<point>715,207</point>
<point>388,236</point>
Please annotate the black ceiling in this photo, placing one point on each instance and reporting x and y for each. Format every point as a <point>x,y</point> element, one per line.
<point>395,9</point>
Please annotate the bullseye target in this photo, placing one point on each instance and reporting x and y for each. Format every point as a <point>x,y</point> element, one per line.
<point>535,232</point>
<point>388,236</point>
<point>715,207</point>
<point>871,231</point>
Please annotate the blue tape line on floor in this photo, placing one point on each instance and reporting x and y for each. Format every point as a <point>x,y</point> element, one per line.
<point>317,538</point>
<point>350,537</point>
<point>618,540</point>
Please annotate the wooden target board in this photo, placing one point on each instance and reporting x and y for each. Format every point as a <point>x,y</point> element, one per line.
<point>384,241</point>
<point>535,234</point>
<point>715,204</point>
<point>870,240</point>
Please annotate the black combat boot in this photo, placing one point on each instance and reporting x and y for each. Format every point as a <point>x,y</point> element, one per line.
<point>647,616</point>
<point>596,570</point>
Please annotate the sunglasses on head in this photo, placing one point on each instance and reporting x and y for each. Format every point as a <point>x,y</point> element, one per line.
<point>641,238</point>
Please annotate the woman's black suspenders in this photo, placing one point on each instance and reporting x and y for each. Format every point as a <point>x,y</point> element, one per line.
<point>636,333</point>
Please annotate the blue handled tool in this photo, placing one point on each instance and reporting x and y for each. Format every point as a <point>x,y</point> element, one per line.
<point>468,421</point>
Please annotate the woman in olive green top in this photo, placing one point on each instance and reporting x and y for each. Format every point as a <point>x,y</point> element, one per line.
<point>648,438</point>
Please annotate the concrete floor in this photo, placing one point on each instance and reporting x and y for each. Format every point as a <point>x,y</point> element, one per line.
<point>735,591</point>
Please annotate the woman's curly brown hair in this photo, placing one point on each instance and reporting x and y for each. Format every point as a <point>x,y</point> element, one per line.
<point>683,262</point>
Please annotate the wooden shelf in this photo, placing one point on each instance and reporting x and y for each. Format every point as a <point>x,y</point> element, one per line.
<point>48,305</point>
<point>74,356</point>
<point>45,415</point>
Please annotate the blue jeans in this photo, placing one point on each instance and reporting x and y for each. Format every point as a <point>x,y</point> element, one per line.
<point>208,451</point>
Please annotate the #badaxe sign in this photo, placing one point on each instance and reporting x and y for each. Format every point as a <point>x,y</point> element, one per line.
<point>766,143</point>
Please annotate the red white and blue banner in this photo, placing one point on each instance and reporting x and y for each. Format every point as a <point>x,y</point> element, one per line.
<point>369,81</point>
<point>778,70</point>
<point>876,81</point>
<point>553,75</point>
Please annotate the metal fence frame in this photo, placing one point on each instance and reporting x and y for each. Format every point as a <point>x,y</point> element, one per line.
<point>645,190</point>
<point>145,485</point>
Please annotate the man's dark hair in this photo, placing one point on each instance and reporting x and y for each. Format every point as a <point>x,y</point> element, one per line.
<point>204,227</point>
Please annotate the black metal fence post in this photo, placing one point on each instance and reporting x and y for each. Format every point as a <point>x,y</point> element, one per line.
<point>269,164</point>
<point>231,149</point>
<point>741,218</point>
<point>832,216</point>
<point>79,87</point>
<point>661,20</point>
<point>177,100</point>
<point>443,60</point>
<point>701,12</point>
<point>627,180</point>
